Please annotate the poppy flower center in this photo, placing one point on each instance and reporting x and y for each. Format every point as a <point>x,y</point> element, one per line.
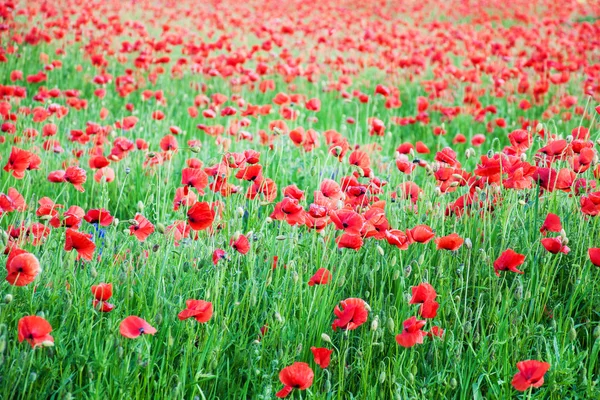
<point>141,330</point>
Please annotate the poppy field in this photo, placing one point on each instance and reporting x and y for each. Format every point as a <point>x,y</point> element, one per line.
<point>333,200</point>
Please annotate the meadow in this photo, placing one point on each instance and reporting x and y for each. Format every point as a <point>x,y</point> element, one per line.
<point>333,200</point>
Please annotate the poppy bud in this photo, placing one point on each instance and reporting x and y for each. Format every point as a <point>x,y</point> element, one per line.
<point>411,378</point>
<point>170,341</point>
<point>453,383</point>
<point>393,262</point>
<point>269,220</point>
<point>327,385</point>
<point>93,272</point>
<point>2,344</point>
<point>140,206</point>
<point>8,298</point>
<point>569,138</point>
<point>160,228</point>
<point>522,202</point>
<point>342,281</point>
<point>380,250</point>
<point>391,325</point>
<point>396,275</point>
<point>295,276</point>
<point>3,237</point>
<point>33,377</point>
<point>120,351</point>
<point>573,334</point>
<point>116,221</point>
<point>596,332</point>
<point>46,217</point>
<point>468,243</point>
<point>382,377</point>
<point>325,337</point>
<point>539,127</point>
<point>48,343</point>
<point>375,323</point>
<point>563,234</point>
<point>280,237</point>
<point>371,280</point>
<point>519,292</point>
<point>195,149</point>
<point>407,271</point>
<point>278,317</point>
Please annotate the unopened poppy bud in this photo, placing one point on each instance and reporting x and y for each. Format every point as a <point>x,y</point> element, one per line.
<point>391,325</point>
<point>195,149</point>
<point>367,306</point>
<point>269,220</point>
<point>278,317</point>
<point>569,138</point>
<point>2,344</point>
<point>522,202</point>
<point>382,377</point>
<point>519,292</point>
<point>375,324</point>
<point>396,275</point>
<point>239,212</point>
<point>393,262</point>
<point>453,383</point>
<point>468,243</point>
<point>573,334</point>
<point>295,276</point>
<point>48,343</point>
<point>8,298</point>
<point>325,337</point>
<point>93,272</point>
<point>342,280</point>
<point>151,155</point>
<point>411,378</point>
<point>140,206</point>
<point>280,237</point>
<point>563,234</point>
<point>407,271</point>
<point>33,377</point>
<point>380,250</point>
<point>116,221</point>
<point>539,127</point>
<point>596,332</point>
<point>41,314</point>
<point>46,217</point>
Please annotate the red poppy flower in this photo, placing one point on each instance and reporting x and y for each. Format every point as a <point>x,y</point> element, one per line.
<point>551,224</point>
<point>194,177</point>
<point>103,306</point>
<point>349,241</point>
<point>76,176</point>
<point>397,238</point>
<point>241,244</point>
<point>412,333</point>
<point>451,242</point>
<point>218,255</point>
<point>436,331</point>
<point>347,220</point>
<point>81,242</point>
<point>201,310</point>
<point>555,245</point>
<point>425,295</point>
<point>22,267</point>
<point>299,375</point>
<point>531,374</point>
<point>594,254</point>
<point>36,330</point>
<point>200,216</point>
<point>321,277</point>
<point>509,260</point>
<point>352,314</point>
<point>102,291</point>
<point>142,228</point>
<point>99,216</point>
<point>18,162</point>
<point>420,234</point>
<point>132,327</point>
<point>322,356</point>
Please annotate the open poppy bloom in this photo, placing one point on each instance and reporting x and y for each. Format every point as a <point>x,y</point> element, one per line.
<point>102,292</point>
<point>555,245</point>
<point>22,267</point>
<point>142,228</point>
<point>352,314</point>
<point>81,242</point>
<point>218,255</point>
<point>425,295</point>
<point>201,310</point>
<point>36,330</point>
<point>132,327</point>
<point>321,277</point>
<point>420,234</point>
<point>412,332</point>
<point>594,254</point>
<point>531,374</point>
<point>200,216</point>
<point>241,244</point>
<point>99,216</point>
<point>451,242</point>
<point>299,376</point>
<point>322,356</point>
<point>551,224</point>
<point>509,260</point>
